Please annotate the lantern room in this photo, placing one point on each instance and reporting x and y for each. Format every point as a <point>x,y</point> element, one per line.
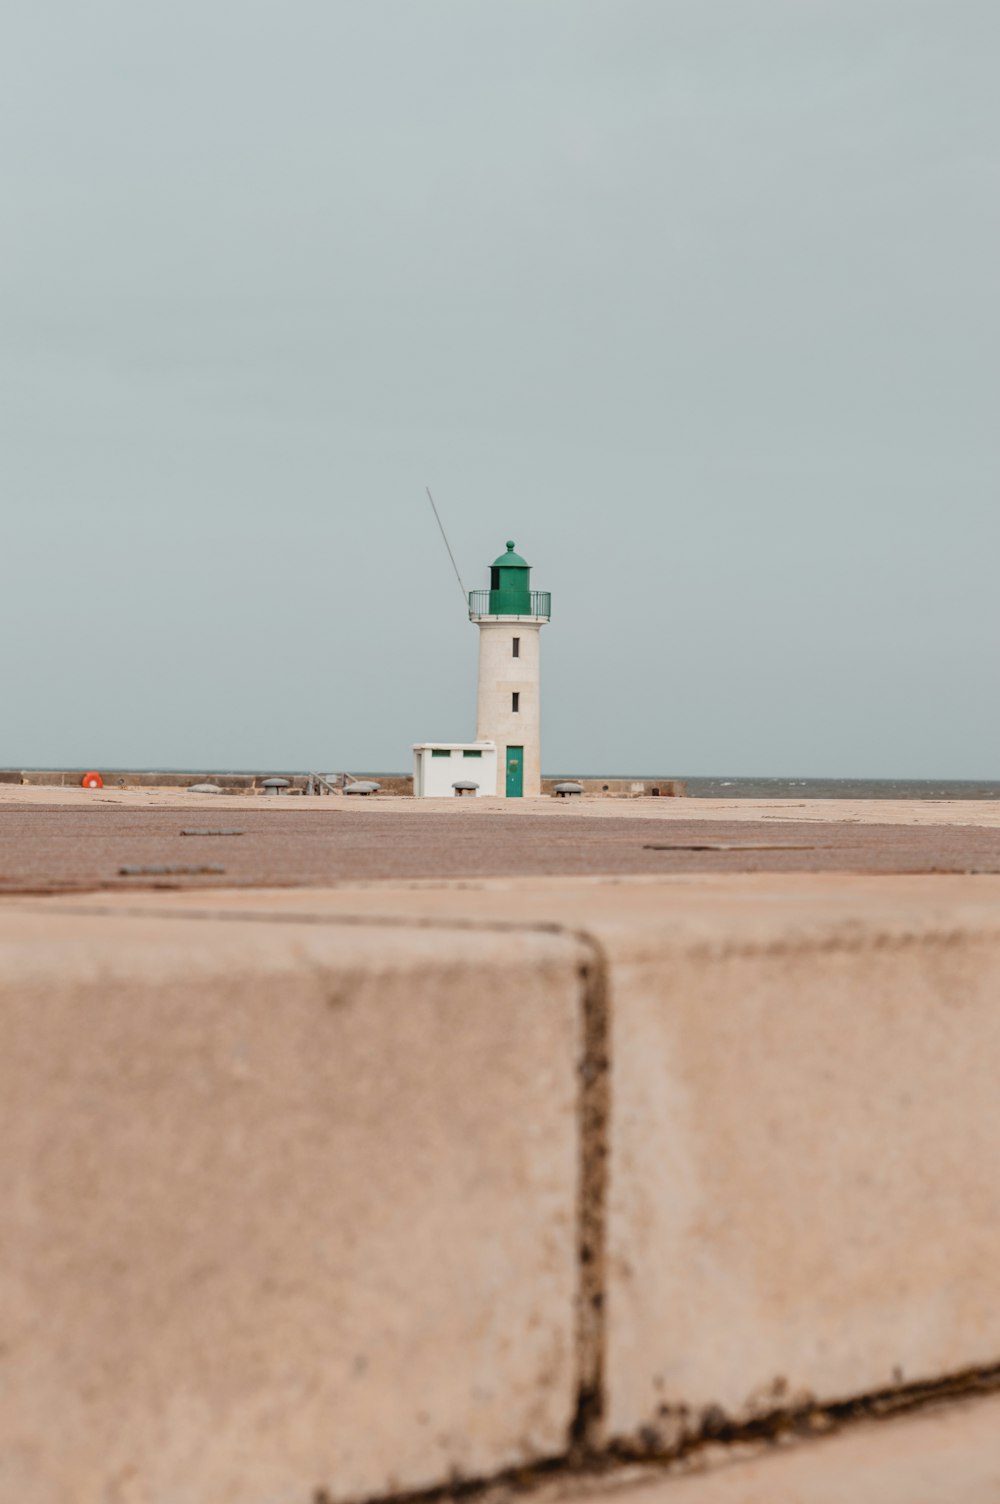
<point>510,592</point>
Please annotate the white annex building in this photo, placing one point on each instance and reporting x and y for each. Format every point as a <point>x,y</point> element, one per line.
<point>505,758</point>
<point>440,769</point>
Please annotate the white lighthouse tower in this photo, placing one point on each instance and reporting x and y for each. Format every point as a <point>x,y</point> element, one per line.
<point>510,616</point>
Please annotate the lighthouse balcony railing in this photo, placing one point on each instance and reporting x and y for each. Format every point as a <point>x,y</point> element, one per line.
<point>498,603</point>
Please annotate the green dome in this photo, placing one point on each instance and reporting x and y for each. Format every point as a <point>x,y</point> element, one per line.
<point>510,558</point>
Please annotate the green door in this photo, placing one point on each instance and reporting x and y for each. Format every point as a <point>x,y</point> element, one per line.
<point>515,772</point>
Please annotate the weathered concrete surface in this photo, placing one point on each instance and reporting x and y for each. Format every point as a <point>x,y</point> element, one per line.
<point>803,1193</point>
<point>66,849</point>
<point>945,1455</point>
<point>802,1199</point>
<point>288,1207</point>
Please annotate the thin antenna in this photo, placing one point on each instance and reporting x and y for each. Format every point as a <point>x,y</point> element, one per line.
<point>465,593</point>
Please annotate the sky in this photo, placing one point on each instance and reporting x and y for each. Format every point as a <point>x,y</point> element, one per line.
<point>694,299</point>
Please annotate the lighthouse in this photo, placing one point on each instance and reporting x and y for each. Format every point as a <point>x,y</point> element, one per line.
<point>510,617</point>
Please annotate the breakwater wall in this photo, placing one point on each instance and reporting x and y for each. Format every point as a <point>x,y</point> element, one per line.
<point>249,783</point>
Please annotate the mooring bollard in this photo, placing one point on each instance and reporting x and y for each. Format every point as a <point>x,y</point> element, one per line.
<point>275,785</point>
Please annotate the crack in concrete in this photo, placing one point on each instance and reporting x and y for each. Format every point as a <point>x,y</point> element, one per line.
<point>586,1432</point>
<point>803,1417</point>
<point>616,1462</point>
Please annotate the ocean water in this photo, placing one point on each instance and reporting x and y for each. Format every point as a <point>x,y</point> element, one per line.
<point>842,788</point>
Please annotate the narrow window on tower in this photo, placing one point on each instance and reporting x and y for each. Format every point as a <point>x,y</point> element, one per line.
<point>516,653</point>
<point>515,701</point>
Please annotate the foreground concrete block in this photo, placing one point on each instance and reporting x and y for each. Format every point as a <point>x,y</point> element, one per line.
<point>804,1193</point>
<point>287,1207</point>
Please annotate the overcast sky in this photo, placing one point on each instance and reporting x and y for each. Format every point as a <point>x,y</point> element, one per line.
<point>695,299</point>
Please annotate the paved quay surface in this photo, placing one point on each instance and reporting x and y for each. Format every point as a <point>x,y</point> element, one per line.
<point>82,841</point>
<point>979,812</point>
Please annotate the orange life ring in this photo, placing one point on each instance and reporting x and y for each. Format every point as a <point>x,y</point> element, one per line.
<point>92,781</point>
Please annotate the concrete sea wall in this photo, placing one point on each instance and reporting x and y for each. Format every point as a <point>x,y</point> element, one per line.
<point>230,783</point>
<point>339,1194</point>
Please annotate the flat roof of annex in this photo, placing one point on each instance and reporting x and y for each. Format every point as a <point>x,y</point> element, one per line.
<point>454,746</point>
